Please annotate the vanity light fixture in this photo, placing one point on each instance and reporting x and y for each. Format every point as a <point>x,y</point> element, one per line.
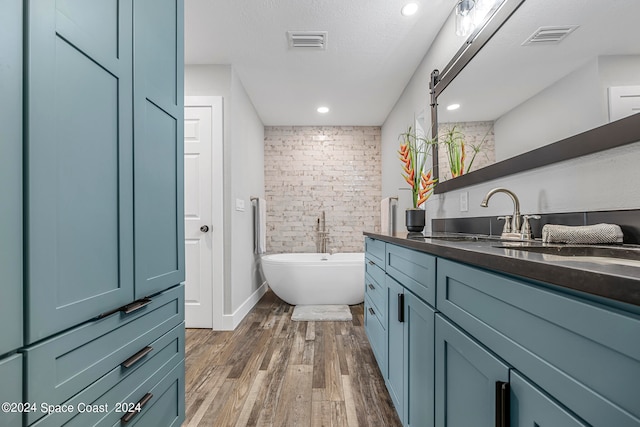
<point>453,107</point>
<point>409,9</point>
<point>470,13</point>
<point>323,110</point>
<point>464,17</point>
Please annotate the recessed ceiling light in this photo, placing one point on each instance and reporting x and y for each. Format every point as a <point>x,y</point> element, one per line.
<point>409,9</point>
<point>323,110</point>
<point>453,107</point>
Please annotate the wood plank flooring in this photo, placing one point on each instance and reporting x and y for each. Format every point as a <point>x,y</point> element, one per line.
<point>271,371</point>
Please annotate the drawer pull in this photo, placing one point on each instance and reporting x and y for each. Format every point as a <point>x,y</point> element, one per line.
<point>371,262</point>
<point>371,286</point>
<point>126,309</point>
<point>129,415</point>
<point>139,355</point>
<point>136,305</point>
<point>400,308</point>
<point>502,404</point>
<point>371,311</point>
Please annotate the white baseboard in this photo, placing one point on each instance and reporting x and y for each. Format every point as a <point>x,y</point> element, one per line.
<point>231,321</point>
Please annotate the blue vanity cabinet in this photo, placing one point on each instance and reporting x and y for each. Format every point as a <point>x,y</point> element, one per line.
<point>466,379</point>
<point>158,157</point>
<point>375,250</point>
<point>584,354</point>
<point>79,181</point>
<point>10,176</point>
<point>419,338</point>
<point>375,301</point>
<point>414,269</point>
<point>394,376</point>
<point>410,373</point>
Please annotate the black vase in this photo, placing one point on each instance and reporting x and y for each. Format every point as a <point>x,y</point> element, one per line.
<point>414,218</point>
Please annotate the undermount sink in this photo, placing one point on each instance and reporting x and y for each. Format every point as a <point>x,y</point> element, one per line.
<point>457,237</point>
<point>596,254</point>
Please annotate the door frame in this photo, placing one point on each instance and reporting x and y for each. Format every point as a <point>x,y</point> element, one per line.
<point>217,208</point>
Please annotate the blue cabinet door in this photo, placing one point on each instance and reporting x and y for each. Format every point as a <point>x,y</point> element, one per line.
<point>394,377</point>
<point>79,202</point>
<point>158,149</point>
<point>11,390</point>
<point>466,376</point>
<point>10,175</point>
<point>419,332</point>
<point>532,408</point>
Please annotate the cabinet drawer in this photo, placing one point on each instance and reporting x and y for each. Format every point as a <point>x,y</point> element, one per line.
<point>414,270</point>
<point>110,390</point>
<point>374,268</point>
<point>377,293</point>
<point>376,333</point>
<point>166,407</point>
<point>11,388</point>
<point>58,368</point>
<point>375,250</point>
<point>584,354</point>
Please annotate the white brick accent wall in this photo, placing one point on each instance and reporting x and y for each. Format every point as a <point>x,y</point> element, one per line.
<point>313,169</point>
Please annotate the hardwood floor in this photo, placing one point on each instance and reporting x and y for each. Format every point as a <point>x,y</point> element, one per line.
<point>271,371</point>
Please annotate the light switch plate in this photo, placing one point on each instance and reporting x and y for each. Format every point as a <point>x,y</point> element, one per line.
<point>240,205</point>
<point>464,201</point>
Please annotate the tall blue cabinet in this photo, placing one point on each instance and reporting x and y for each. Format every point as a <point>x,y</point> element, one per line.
<point>11,314</point>
<point>92,195</point>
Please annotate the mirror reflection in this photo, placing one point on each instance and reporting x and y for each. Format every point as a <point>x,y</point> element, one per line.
<point>554,69</point>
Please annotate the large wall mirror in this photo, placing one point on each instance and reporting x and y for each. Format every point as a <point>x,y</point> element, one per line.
<point>544,81</point>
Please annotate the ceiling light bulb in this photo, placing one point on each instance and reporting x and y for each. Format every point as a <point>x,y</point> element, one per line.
<point>453,107</point>
<point>409,9</point>
<point>323,110</point>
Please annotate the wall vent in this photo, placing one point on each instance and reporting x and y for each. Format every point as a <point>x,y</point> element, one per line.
<point>549,35</point>
<point>307,39</point>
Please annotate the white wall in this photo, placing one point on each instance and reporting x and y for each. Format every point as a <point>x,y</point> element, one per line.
<point>570,106</point>
<point>243,178</point>
<point>412,103</point>
<point>247,180</point>
<point>600,181</point>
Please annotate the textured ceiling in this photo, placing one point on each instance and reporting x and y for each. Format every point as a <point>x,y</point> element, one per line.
<point>371,54</point>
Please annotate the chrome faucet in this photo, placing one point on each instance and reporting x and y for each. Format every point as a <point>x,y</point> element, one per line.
<point>323,234</point>
<point>512,228</point>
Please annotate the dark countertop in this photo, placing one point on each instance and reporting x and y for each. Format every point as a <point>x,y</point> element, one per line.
<point>613,281</point>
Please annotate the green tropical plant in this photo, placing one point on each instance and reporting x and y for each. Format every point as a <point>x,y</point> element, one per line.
<point>454,141</point>
<point>413,152</point>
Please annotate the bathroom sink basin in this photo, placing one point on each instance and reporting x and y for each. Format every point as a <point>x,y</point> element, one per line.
<point>620,255</point>
<point>458,237</point>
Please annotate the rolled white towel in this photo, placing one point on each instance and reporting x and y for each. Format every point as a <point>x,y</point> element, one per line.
<point>586,235</point>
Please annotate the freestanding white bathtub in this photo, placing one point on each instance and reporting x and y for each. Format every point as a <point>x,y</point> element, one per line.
<point>315,278</point>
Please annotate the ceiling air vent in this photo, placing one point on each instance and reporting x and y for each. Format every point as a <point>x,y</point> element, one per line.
<point>549,35</point>
<point>307,39</point>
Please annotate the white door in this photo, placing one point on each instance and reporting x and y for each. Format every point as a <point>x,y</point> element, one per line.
<point>202,129</point>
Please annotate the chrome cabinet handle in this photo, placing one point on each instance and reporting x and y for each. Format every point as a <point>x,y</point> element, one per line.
<point>371,311</point>
<point>371,286</point>
<point>204,228</point>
